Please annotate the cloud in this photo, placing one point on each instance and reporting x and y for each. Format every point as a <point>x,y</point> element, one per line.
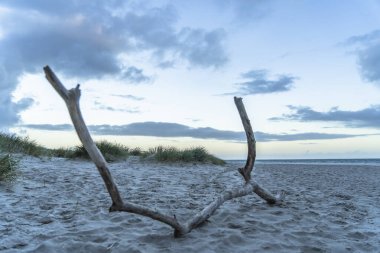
<point>49,127</point>
<point>244,11</point>
<point>302,136</point>
<point>100,106</point>
<point>82,39</point>
<point>251,10</point>
<point>134,75</point>
<point>364,39</point>
<point>9,111</point>
<point>203,48</point>
<point>165,129</point>
<point>369,63</point>
<point>257,82</point>
<point>368,55</point>
<point>368,117</point>
<point>131,97</point>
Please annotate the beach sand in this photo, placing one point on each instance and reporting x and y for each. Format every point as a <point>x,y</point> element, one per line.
<point>60,205</point>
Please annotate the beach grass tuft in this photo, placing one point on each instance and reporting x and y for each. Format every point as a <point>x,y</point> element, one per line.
<point>137,151</point>
<point>8,168</point>
<point>172,154</point>
<point>11,143</point>
<point>111,151</point>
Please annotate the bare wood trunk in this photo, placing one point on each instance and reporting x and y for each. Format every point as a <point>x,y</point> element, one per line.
<point>251,156</point>
<point>251,141</point>
<point>71,98</point>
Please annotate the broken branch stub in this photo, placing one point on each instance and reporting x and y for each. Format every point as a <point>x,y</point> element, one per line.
<point>71,98</point>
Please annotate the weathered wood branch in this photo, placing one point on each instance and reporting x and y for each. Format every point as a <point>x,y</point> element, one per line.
<point>247,189</point>
<point>251,156</point>
<point>209,210</point>
<point>251,141</point>
<point>72,97</point>
<point>153,214</point>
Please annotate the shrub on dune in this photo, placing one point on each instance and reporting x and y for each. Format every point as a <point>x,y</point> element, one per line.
<point>172,154</point>
<point>12,143</point>
<point>8,168</point>
<point>111,151</point>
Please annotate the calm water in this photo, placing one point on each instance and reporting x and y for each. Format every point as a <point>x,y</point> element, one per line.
<point>370,162</point>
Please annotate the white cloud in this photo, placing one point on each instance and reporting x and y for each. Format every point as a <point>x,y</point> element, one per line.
<point>84,39</point>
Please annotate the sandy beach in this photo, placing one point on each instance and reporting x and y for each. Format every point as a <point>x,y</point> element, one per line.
<point>60,205</point>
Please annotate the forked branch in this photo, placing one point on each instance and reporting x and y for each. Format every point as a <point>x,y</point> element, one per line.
<point>71,98</point>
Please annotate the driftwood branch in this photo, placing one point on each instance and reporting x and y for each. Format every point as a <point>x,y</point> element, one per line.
<point>251,141</point>
<point>72,97</point>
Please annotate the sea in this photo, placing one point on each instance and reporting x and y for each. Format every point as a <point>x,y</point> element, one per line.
<point>358,162</point>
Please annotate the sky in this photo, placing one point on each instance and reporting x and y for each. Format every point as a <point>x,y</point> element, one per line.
<point>165,73</point>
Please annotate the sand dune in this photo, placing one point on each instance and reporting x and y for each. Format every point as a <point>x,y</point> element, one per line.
<point>58,205</point>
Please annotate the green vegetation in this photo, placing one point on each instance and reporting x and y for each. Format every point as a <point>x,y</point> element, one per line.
<point>136,152</point>
<point>172,154</point>
<point>8,168</point>
<point>111,151</point>
<point>11,143</point>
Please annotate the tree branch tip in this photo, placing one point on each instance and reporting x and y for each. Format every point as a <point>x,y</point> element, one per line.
<point>47,70</point>
<point>238,99</point>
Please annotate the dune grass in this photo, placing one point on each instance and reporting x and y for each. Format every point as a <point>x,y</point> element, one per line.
<point>111,151</point>
<point>172,154</point>
<point>8,168</point>
<point>11,143</point>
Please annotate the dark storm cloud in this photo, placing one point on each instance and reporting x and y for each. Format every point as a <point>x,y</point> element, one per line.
<point>368,117</point>
<point>368,55</point>
<point>86,39</point>
<point>257,82</point>
<point>165,129</point>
